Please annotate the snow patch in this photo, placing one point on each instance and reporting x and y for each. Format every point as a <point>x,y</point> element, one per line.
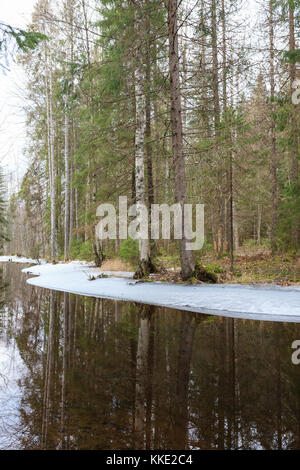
<point>72,267</point>
<point>20,259</point>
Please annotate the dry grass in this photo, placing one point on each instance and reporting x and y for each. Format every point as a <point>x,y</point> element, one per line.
<point>116,264</point>
<point>251,266</point>
<point>260,267</point>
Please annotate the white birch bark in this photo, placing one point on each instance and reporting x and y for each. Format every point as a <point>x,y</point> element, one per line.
<point>49,97</point>
<point>50,144</point>
<point>67,126</point>
<point>67,185</point>
<point>144,246</point>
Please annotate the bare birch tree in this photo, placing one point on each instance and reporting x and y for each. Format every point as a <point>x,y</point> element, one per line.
<point>140,127</point>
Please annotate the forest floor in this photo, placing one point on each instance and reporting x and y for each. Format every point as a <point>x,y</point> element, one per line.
<point>251,266</point>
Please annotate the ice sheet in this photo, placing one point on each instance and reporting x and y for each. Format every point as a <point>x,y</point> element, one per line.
<point>262,302</point>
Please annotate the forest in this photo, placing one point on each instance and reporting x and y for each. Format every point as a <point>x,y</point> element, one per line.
<point>162,102</point>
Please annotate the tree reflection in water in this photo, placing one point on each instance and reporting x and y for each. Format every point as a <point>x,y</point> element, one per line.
<point>90,373</point>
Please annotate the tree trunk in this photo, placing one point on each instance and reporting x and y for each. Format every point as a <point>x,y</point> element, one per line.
<point>52,163</point>
<point>216,111</point>
<point>215,76</point>
<point>235,227</point>
<point>186,256</point>
<point>259,213</point>
<point>144,246</point>
<point>228,128</point>
<point>88,181</point>
<point>231,231</point>
<point>294,131</point>
<point>273,134</point>
<point>148,145</point>
<point>69,58</point>
<point>67,185</point>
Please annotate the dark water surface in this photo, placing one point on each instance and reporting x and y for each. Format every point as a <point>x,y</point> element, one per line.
<point>84,373</point>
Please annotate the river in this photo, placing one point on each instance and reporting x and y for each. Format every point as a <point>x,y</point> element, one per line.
<point>89,373</point>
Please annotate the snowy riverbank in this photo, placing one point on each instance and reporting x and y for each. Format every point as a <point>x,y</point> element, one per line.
<point>20,259</point>
<point>263,302</point>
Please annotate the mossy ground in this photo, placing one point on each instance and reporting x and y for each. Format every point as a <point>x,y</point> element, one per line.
<point>267,268</point>
<point>250,266</point>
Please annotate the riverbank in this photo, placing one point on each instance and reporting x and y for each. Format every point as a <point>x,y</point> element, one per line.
<point>269,302</point>
<point>252,265</point>
<point>259,302</point>
<point>20,259</point>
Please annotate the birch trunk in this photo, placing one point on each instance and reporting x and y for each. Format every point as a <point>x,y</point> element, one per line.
<point>140,121</point>
<point>50,145</point>
<point>67,185</point>
<point>52,163</point>
<point>88,182</point>
<point>69,34</point>
<point>294,130</point>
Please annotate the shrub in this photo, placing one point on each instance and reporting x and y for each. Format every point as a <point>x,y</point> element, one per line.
<point>129,251</point>
<point>207,247</point>
<point>81,250</point>
<point>266,243</point>
<point>205,250</point>
<point>214,268</point>
<point>250,243</point>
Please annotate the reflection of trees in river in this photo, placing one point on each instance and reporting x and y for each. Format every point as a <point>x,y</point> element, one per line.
<point>4,318</point>
<point>111,375</point>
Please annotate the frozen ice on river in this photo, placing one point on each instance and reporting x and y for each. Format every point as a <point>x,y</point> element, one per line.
<point>260,302</point>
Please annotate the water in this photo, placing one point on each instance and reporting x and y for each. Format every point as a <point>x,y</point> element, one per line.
<point>86,373</point>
